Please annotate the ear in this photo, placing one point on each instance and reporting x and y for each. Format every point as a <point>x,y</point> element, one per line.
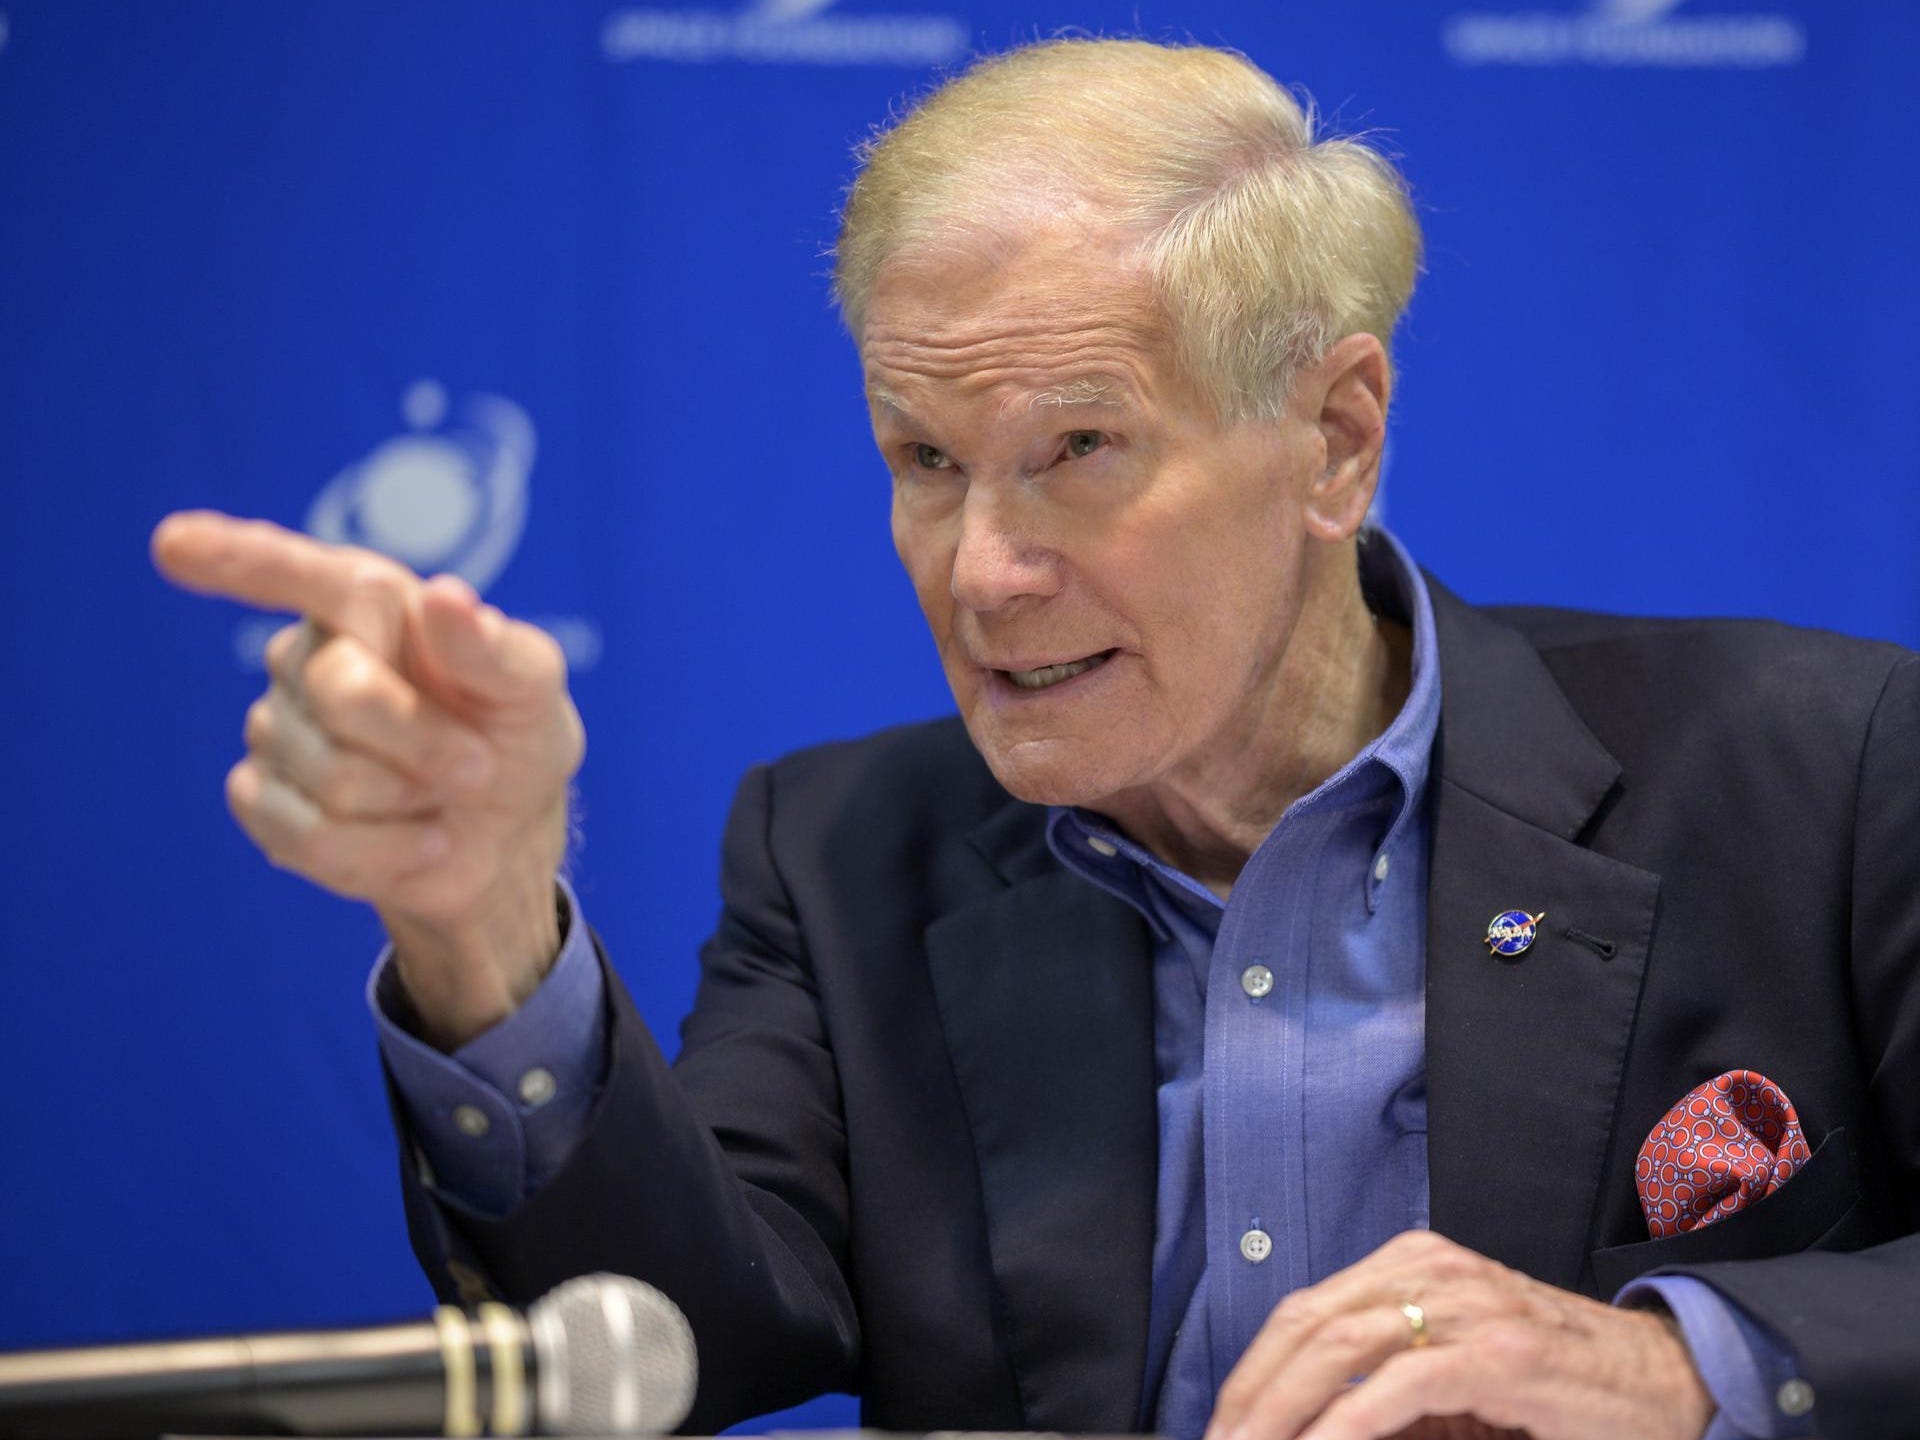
<point>1352,383</point>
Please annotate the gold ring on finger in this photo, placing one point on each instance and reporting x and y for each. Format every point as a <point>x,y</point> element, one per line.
<point>1417,1323</point>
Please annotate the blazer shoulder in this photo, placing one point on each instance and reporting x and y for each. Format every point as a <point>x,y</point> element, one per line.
<point>1552,627</point>
<point>1752,668</point>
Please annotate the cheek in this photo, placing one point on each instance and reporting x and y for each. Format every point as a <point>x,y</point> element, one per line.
<point>1254,604</point>
<point>912,543</point>
<point>1214,611</point>
<point>1184,593</point>
<point>928,560</point>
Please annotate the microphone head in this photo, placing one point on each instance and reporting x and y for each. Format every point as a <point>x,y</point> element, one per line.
<point>612,1357</point>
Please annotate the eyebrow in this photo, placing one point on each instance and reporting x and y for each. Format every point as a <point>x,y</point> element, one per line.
<point>1087,390</point>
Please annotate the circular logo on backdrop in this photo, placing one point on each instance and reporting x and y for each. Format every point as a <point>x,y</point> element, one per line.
<point>442,497</point>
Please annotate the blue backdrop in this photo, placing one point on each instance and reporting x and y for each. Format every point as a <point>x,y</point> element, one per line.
<point>535,291</point>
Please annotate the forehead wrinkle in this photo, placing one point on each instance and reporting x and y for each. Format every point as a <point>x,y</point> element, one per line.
<point>928,349</point>
<point>1050,354</point>
<point>1083,373</point>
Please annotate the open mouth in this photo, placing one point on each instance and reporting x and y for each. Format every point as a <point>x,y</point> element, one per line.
<point>1048,676</point>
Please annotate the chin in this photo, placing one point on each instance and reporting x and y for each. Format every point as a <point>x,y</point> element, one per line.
<point>1050,772</point>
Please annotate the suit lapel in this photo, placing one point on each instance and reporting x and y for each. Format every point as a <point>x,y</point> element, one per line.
<point>1524,1056</point>
<point>1045,997</point>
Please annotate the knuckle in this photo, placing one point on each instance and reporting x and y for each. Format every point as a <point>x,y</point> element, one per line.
<point>286,647</point>
<point>241,787</point>
<point>257,729</point>
<point>244,802</point>
<point>1512,1344</point>
<point>320,668</point>
<point>546,661</point>
<point>376,581</point>
<point>1349,1331</point>
<point>1298,1308</point>
<point>337,788</point>
<point>356,787</point>
<point>1435,1255</point>
<point>1455,1264</point>
<point>1421,1244</point>
<point>344,685</point>
<point>327,662</point>
<point>1235,1395</point>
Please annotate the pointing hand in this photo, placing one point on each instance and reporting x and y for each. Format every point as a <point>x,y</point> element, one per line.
<point>413,750</point>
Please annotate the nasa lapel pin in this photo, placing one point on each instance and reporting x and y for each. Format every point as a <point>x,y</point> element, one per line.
<point>1511,931</point>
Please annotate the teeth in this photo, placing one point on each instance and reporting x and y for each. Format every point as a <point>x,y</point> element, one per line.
<point>1052,674</point>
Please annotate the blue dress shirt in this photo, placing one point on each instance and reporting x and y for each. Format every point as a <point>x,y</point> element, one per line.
<point>491,1129</point>
<point>1290,1029</point>
<point>1289,1038</point>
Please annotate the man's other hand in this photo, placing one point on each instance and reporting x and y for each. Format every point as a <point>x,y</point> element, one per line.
<point>1498,1353</point>
<point>413,749</point>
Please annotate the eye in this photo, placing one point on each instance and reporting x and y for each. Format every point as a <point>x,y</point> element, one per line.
<point>1081,443</point>
<point>926,457</point>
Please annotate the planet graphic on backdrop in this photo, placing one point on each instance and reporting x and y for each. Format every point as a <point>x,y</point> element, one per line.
<point>440,497</point>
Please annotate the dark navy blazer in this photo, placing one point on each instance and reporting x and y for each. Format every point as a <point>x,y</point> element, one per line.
<point>908,1148</point>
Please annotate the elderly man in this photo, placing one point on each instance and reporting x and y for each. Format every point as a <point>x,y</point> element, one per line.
<point>1123,1060</point>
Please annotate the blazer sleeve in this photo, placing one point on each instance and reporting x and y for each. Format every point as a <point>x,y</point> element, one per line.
<point>721,1181</point>
<point>1854,1318</point>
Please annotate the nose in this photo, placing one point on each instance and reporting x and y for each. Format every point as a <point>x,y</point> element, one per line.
<point>1000,557</point>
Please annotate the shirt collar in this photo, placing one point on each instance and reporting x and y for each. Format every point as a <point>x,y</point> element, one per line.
<point>1395,588</point>
<point>1091,845</point>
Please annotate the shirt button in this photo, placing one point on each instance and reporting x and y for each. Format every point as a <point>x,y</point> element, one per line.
<point>537,1086</point>
<point>1100,845</point>
<point>471,1121</point>
<point>1380,868</point>
<point>1257,981</point>
<point>1256,1245</point>
<point>1794,1398</point>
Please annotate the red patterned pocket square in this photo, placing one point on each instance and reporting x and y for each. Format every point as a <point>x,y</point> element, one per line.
<point>1725,1145</point>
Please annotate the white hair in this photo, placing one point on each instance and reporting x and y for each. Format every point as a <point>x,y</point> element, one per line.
<point>1264,245</point>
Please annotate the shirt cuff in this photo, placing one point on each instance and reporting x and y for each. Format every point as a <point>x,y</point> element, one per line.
<point>497,1117</point>
<point>1752,1375</point>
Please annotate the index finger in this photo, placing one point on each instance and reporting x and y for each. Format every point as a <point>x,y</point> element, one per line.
<point>260,563</point>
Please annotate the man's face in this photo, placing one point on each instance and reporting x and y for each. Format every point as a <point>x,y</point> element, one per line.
<point>1111,575</point>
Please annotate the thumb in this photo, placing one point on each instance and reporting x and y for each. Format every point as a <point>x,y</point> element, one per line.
<point>473,651</point>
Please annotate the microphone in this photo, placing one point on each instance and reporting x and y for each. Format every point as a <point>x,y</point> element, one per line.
<point>598,1355</point>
